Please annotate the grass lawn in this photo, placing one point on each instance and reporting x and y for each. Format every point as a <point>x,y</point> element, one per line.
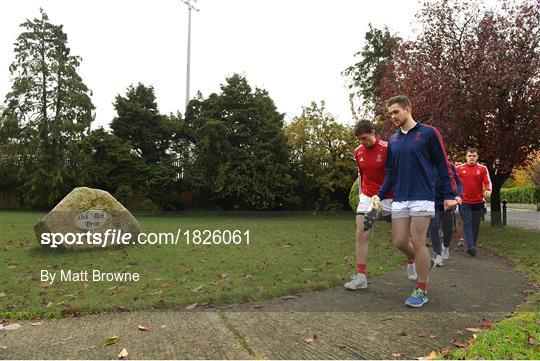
<point>287,253</point>
<point>517,337</point>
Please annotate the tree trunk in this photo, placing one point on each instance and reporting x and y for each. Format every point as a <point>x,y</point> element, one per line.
<point>497,181</point>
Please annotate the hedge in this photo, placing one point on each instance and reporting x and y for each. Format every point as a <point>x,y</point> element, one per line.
<point>521,194</point>
<point>353,196</point>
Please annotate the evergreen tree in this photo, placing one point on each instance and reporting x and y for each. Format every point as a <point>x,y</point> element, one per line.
<point>49,105</point>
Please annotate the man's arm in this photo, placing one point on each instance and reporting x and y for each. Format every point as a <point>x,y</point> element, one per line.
<point>387,183</point>
<point>487,182</point>
<point>440,161</point>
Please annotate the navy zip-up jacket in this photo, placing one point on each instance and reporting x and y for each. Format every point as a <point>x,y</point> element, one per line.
<point>413,162</point>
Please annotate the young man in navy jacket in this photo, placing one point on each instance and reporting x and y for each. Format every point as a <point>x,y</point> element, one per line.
<point>416,155</point>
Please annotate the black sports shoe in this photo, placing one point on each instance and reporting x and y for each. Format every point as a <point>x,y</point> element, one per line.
<point>471,252</point>
<point>369,218</point>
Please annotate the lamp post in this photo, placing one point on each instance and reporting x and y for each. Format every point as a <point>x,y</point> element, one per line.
<point>191,6</point>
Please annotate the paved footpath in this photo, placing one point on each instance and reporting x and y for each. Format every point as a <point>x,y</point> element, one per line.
<point>330,324</point>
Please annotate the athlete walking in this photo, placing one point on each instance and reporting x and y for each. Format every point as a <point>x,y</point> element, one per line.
<point>370,159</point>
<point>416,154</point>
<point>473,176</point>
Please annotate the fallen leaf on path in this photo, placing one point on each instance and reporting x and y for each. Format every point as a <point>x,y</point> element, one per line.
<point>192,306</point>
<point>486,324</point>
<point>257,306</point>
<point>402,333</point>
<point>433,336</point>
<point>398,354</point>
<point>123,354</point>
<point>311,339</point>
<point>142,328</point>
<point>459,332</point>
<point>12,327</point>
<point>111,340</point>
<point>36,323</point>
<point>289,297</point>
<point>532,340</point>
<point>163,327</point>
<point>422,334</point>
<point>474,329</point>
<point>432,356</point>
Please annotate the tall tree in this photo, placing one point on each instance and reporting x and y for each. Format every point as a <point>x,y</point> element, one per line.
<point>138,121</point>
<point>150,135</point>
<point>51,107</point>
<point>475,73</point>
<point>241,154</point>
<point>322,156</point>
<point>365,76</point>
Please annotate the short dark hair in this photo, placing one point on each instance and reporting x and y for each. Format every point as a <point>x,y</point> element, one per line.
<point>471,150</point>
<point>401,100</point>
<point>363,126</point>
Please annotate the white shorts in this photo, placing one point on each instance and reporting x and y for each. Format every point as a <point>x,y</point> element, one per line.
<point>413,209</point>
<point>365,201</point>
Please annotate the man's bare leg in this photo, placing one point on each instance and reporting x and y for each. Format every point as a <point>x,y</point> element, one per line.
<point>418,229</point>
<point>401,236</point>
<point>361,240</point>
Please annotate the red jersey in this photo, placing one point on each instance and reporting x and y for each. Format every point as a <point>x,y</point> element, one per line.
<point>371,164</point>
<point>472,177</point>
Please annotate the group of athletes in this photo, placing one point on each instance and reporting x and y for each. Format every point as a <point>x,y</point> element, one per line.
<point>410,179</point>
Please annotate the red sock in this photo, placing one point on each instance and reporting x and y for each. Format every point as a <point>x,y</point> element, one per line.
<point>361,268</point>
<point>410,260</point>
<point>422,286</point>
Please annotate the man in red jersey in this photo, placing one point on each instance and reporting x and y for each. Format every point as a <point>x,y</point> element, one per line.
<point>476,185</point>
<point>370,158</point>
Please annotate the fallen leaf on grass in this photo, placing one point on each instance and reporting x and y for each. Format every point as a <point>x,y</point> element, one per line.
<point>398,354</point>
<point>486,324</point>
<point>460,345</point>
<point>311,339</point>
<point>472,341</point>
<point>111,340</point>
<point>445,352</point>
<point>532,340</point>
<point>224,275</point>
<point>123,354</point>
<point>142,328</point>
<point>474,329</point>
<point>45,285</point>
<point>12,327</point>
<point>192,306</point>
<point>198,288</point>
<point>2,294</point>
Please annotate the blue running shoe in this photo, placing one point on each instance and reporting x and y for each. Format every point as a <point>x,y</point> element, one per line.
<point>417,298</point>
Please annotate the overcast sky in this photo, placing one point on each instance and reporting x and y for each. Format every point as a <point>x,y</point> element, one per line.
<point>296,49</point>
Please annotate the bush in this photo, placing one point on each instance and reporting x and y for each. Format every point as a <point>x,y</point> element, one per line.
<point>521,194</point>
<point>354,196</point>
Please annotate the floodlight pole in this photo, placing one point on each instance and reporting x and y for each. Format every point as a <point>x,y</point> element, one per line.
<point>190,6</point>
